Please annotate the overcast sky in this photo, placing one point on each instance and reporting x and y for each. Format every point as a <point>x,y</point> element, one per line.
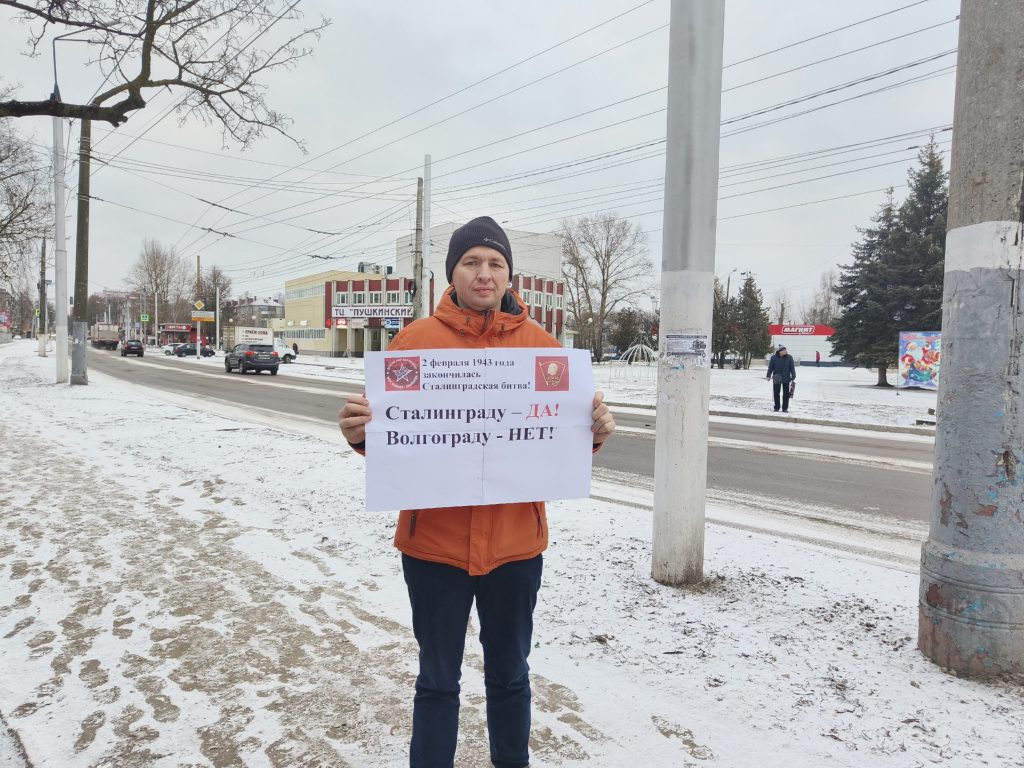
<point>382,59</point>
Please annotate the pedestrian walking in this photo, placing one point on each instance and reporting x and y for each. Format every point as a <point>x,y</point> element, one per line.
<point>295,348</point>
<point>491,554</point>
<point>817,359</point>
<point>782,372</point>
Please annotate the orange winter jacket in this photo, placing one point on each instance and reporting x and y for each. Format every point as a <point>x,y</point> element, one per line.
<point>476,539</point>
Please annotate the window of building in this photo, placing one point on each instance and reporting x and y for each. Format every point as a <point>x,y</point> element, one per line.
<point>304,293</point>
<point>526,297</point>
<point>340,298</point>
<point>558,302</point>
<point>375,297</point>
<point>392,297</point>
<point>547,300</point>
<point>358,298</point>
<point>408,297</point>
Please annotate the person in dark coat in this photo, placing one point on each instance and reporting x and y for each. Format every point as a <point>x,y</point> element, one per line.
<point>782,371</point>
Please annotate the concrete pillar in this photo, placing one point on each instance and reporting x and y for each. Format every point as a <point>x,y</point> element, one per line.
<point>687,281</point>
<point>972,566</point>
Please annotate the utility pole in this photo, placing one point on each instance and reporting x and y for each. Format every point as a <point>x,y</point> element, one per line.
<point>60,259</point>
<point>972,565</point>
<point>41,320</point>
<point>417,254</point>
<point>79,369</point>
<point>726,313</point>
<point>687,286</point>
<point>423,297</point>
<point>216,337</point>
<point>156,316</point>
<point>199,323</point>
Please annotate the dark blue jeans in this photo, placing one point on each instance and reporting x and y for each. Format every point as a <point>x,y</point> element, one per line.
<point>441,597</point>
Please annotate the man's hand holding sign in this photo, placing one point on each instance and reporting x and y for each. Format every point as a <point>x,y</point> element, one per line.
<point>478,416</point>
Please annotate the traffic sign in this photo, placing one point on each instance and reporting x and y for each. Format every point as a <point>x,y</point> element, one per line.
<point>144,318</point>
<point>37,311</point>
<point>199,304</point>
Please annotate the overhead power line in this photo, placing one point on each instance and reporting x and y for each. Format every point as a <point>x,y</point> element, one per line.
<point>455,93</point>
<point>276,211</point>
<point>826,34</point>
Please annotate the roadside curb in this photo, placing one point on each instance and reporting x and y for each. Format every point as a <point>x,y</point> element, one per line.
<point>926,431</point>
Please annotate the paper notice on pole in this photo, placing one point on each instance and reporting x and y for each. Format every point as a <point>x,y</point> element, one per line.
<point>693,347</point>
<point>483,426</point>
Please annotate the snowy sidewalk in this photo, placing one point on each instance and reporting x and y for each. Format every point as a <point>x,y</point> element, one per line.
<point>180,588</point>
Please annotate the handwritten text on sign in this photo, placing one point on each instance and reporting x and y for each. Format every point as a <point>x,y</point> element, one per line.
<point>482,426</point>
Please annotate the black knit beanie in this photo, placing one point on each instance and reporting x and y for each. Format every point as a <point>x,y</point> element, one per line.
<point>481,231</point>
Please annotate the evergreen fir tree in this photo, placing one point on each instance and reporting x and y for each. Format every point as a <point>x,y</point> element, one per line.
<point>753,336</point>
<point>865,331</point>
<point>723,334</point>
<point>895,281</point>
<point>919,269</point>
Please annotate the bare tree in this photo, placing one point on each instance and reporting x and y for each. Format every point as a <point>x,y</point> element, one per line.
<point>21,286</point>
<point>25,211</point>
<point>215,278</point>
<point>604,265</point>
<point>823,308</point>
<point>159,270</point>
<point>205,49</point>
<point>782,307</point>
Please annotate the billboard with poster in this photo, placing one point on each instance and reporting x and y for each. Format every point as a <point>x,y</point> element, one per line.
<point>920,359</point>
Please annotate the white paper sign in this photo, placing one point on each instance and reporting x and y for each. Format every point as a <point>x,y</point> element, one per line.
<point>479,426</point>
<point>692,346</point>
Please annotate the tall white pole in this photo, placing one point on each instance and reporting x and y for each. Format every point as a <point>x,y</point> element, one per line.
<point>156,317</point>
<point>424,295</point>
<point>417,255</point>
<point>60,278</point>
<point>216,338</point>
<point>687,289</point>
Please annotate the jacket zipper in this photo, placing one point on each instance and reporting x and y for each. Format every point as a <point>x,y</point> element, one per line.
<point>412,524</point>
<point>540,527</point>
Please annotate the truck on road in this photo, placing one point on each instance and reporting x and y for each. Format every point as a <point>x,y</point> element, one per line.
<point>105,335</point>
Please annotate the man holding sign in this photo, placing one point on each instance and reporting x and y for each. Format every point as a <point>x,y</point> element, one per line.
<point>506,399</point>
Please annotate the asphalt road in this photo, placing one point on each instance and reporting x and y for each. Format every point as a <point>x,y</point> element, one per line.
<point>861,472</point>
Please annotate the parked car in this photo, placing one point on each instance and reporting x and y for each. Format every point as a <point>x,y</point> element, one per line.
<point>132,347</point>
<point>252,357</point>
<point>168,349</point>
<point>189,350</point>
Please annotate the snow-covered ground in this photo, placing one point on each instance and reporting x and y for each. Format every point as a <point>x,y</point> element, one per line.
<point>837,394</point>
<point>166,600</point>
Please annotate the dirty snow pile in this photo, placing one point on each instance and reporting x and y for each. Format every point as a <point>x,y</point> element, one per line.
<point>179,588</point>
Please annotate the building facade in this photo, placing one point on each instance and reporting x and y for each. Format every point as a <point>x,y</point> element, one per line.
<point>340,313</point>
<point>805,342</point>
<point>252,311</point>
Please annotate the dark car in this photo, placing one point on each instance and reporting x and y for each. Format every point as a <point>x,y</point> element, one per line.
<point>189,350</point>
<point>252,357</point>
<point>132,347</point>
